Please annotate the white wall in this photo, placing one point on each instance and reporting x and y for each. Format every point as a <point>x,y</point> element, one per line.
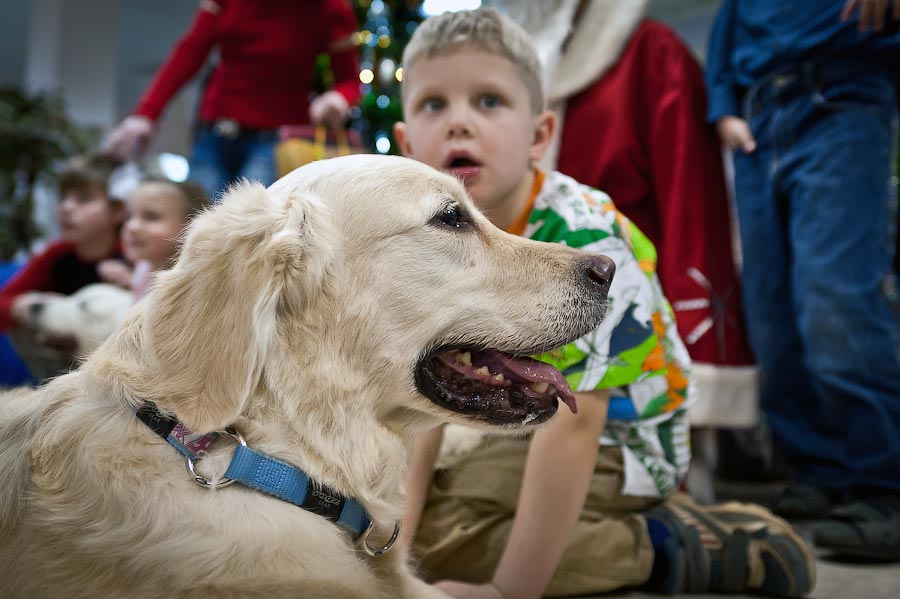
<point>13,38</point>
<point>72,47</point>
<point>100,55</point>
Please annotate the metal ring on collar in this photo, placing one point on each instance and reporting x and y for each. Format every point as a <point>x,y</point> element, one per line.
<point>378,552</point>
<point>224,482</point>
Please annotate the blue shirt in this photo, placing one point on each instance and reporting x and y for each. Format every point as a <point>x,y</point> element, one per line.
<point>752,39</point>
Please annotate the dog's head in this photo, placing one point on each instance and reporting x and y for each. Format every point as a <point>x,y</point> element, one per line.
<point>373,284</point>
<point>87,317</point>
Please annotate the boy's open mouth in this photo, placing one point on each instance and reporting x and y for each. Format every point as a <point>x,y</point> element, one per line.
<point>462,165</point>
<point>493,386</point>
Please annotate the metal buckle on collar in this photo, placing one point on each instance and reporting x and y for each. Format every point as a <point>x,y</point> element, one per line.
<point>227,128</point>
<point>384,549</point>
<point>199,479</point>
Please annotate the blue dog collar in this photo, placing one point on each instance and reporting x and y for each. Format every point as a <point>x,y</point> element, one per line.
<point>267,475</point>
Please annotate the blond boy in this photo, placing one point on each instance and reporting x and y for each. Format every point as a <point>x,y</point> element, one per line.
<point>587,504</point>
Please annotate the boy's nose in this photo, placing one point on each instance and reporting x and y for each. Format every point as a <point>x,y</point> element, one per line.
<point>458,123</point>
<point>458,128</point>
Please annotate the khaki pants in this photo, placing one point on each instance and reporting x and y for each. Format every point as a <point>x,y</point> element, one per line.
<point>470,510</point>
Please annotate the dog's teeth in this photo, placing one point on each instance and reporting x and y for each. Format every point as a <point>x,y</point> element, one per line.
<point>465,358</point>
<point>483,371</point>
<point>540,387</point>
<point>499,377</point>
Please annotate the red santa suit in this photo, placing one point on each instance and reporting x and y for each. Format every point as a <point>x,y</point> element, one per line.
<point>632,105</point>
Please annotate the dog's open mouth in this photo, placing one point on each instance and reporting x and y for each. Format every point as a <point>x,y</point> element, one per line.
<point>493,386</point>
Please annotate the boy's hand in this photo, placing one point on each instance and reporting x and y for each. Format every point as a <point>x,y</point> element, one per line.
<point>330,109</point>
<point>116,272</point>
<point>465,590</point>
<point>735,134</point>
<point>871,13</point>
<point>130,136</point>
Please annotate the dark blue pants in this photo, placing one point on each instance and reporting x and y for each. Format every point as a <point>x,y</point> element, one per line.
<point>817,203</point>
<point>217,161</point>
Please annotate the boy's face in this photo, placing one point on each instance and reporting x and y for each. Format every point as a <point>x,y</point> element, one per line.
<point>467,112</point>
<point>87,214</point>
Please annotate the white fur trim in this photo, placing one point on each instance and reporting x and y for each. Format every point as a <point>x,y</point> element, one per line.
<point>727,396</point>
<point>597,42</point>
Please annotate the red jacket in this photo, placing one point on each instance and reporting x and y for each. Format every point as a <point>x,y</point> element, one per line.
<point>267,51</point>
<point>640,134</point>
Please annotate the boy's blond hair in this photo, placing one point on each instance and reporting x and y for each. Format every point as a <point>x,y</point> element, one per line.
<point>486,29</point>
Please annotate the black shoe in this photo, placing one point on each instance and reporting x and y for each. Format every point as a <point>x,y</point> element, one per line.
<point>867,528</point>
<point>804,501</point>
<point>748,456</point>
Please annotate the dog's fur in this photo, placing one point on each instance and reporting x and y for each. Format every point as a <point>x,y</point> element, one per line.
<point>297,315</point>
<point>89,315</point>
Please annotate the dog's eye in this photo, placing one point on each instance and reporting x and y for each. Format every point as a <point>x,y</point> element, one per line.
<point>451,216</point>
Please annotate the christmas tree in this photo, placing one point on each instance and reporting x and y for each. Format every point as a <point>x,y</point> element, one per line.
<point>385,28</point>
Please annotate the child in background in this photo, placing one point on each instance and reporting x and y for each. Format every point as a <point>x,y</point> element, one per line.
<point>92,188</point>
<point>588,503</point>
<point>90,214</point>
<point>158,211</point>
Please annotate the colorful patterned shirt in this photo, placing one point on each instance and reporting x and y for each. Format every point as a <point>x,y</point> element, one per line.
<point>636,352</point>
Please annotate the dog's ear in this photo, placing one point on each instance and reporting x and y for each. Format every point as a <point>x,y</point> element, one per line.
<point>211,321</point>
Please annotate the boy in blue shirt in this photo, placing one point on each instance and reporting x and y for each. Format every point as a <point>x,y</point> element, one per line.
<point>806,101</point>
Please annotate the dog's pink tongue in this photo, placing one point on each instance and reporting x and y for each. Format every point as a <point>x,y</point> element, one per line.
<point>537,372</point>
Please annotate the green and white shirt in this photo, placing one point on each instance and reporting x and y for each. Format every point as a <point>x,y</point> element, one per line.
<point>636,352</point>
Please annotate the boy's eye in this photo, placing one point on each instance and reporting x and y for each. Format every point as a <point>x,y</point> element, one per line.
<point>489,101</point>
<point>432,104</point>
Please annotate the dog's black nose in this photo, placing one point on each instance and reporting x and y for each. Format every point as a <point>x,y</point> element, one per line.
<point>35,309</point>
<point>600,271</point>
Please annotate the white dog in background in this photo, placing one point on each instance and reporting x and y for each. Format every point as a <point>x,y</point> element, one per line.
<point>327,320</point>
<point>89,315</point>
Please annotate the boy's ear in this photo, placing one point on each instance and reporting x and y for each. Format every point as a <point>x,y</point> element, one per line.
<point>544,126</point>
<point>402,140</point>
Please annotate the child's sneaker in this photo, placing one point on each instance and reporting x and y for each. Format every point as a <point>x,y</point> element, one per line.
<point>728,548</point>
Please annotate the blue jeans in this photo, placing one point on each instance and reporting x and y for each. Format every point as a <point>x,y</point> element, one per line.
<point>816,206</point>
<point>217,161</point>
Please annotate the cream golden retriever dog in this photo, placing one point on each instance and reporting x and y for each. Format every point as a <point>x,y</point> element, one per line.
<point>327,319</point>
